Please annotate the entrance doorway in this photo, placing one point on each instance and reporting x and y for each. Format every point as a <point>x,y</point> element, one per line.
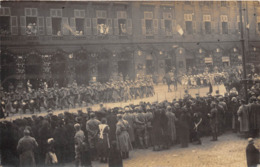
<point>33,70</point>
<point>103,71</point>
<point>168,65</point>
<point>189,63</point>
<point>149,67</point>
<point>58,69</point>
<point>124,68</point>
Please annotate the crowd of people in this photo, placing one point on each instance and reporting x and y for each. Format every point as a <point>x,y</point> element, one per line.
<point>45,98</point>
<point>204,79</point>
<point>108,134</point>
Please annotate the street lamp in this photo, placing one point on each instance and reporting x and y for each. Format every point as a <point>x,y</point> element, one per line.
<point>243,49</point>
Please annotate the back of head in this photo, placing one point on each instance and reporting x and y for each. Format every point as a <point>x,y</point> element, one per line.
<point>26,132</point>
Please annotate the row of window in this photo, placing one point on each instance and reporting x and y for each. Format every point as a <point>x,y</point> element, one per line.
<point>32,24</point>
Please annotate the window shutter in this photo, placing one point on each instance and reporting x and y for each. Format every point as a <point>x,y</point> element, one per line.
<point>237,26</point>
<point>124,15</point>
<point>229,28</point>
<point>162,26</point>
<point>216,28</point>
<point>194,26</point>
<point>129,26</point>
<point>95,29</point>
<point>220,28</point>
<point>41,25</point>
<point>118,15</point>
<point>53,13</point>
<point>49,25</point>
<point>155,26</point>
<point>82,13</point>
<point>7,12</point>
<point>14,28</point>
<point>23,25</point>
<point>98,14</point>
<point>109,23</point>
<point>184,26</point>
<point>116,30</point>
<point>76,14</point>
<point>143,27</point>
<point>88,26</point>
<point>73,25</point>
<point>2,12</point>
<point>65,25</point>
<point>203,27</point>
<point>174,31</point>
<point>104,14</point>
<point>34,12</point>
<point>28,12</point>
<point>59,13</point>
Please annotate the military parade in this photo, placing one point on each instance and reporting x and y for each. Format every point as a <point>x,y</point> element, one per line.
<point>130,83</point>
<point>24,99</point>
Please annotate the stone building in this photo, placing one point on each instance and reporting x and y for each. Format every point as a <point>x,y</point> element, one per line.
<point>83,41</point>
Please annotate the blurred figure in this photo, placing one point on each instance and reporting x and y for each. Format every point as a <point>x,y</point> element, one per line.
<point>103,142</point>
<point>115,158</point>
<point>252,154</point>
<point>26,147</point>
<point>123,139</point>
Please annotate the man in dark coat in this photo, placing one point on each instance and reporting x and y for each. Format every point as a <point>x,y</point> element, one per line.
<point>254,117</point>
<point>115,158</point>
<point>252,154</point>
<point>213,115</point>
<point>184,131</point>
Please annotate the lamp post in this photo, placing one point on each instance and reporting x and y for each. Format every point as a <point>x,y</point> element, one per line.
<point>243,50</point>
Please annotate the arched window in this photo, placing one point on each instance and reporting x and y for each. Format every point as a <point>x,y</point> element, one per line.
<point>33,69</point>
<point>8,69</point>
<point>58,69</point>
<point>82,67</point>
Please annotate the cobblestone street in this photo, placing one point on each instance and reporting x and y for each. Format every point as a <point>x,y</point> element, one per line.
<point>228,151</point>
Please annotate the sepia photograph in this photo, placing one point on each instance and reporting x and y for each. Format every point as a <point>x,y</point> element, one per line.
<point>123,83</point>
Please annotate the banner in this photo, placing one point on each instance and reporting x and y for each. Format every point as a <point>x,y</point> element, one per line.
<point>225,59</point>
<point>208,60</point>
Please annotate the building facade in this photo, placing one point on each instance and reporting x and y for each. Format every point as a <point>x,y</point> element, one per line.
<point>83,41</point>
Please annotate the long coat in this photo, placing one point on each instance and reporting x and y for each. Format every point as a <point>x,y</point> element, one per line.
<point>243,118</point>
<point>123,139</point>
<point>254,116</point>
<point>157,128</point>
<point>184,129</point>
<point>130,119</point>
<point>25,148</point>
<point>171,124</point>
<point>252,155</point>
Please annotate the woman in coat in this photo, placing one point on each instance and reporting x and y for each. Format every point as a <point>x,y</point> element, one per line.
<point>103,141</point>
<point>122,136</point>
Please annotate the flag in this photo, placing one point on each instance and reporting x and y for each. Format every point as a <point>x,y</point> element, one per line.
<point>69,28</point>
<point>179,29</point>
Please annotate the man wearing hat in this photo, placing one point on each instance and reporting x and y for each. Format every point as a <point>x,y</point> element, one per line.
<point>130,119</point>
<point>25,148</point>
<point>252,154</point>
<point>214,121</point>
<point>234,105</point>
<point>254,117</point>
<point>141,127</point>
<point>171,133</point>
<point>92,127</point>
<point>243,117</point>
